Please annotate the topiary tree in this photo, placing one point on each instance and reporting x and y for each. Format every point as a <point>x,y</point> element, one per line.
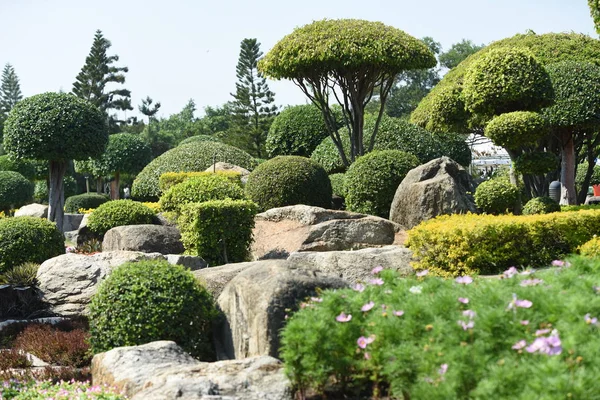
<point>516,129</point>
<point>199,138</point>
<point>15,190</point>
<point>353,57</point>
<point>56,127</point>
<point>23,167</point>
<point>595,13</point>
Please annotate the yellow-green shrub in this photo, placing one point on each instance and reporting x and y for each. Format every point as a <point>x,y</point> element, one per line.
<point>456,245</point>
<point>169,179</point>
<point>199,189</point>
<point>591,248</point>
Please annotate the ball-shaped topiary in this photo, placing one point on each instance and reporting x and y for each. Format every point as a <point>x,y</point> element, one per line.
<point>536,163</point>
<point>119,213</point>
<point>28,239</point>
<point>145,301</point>
<point>289,180</point>
<point>496,196</point>
<point>15,190</point>
<point>327,155</point>
<point>196,156</point>
<point>540,205</point>
<point>372,180</point>
<point>199,138</point>
<point>591,248</point>
<point>86,201</point>
<point>24,167</point>
<point>516,129</point>
<point>338,184</point>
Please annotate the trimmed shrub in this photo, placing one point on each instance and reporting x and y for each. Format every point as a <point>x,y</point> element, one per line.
<point>199,189</point>
<point>467,244</point>
<point>24,167</point>
<point>118,213</point>
<point>536,163</point>
<point>578,208</point>
<point>15,190</point>
<point>591,248</point>
<point>540,205</point>
<point>516,129</point>
<point>169,179</point>
<point>28,239</point>
<point>496,196</point>
<point>199,138</point>
<point>175,307</point>
<point>338,186</point>
<point>196,156</point>
<point>86,201</point>
<point>220,231</point>
<point>372,180</point>
<point>289,180</point>
<point>328,156</point>
<point>55,346</point>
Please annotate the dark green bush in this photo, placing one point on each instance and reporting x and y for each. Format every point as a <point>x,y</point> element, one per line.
<point>86,201</point>
<point>289,180</point>
<point>199,138</point>
<point>220,231</point>
<point>40,192</point>
<point>580,176</point>
<point>536,163</point>
<point>328,156</point>
<point>118,213</point>
<point>372,180</point>
<point>15,190</point>
<point>496,196</point>
<point>338,186</point>
<point>196,156</point>
<point>516,129</point>
<point>540,205</point>
<point>24,167</point>
<point>146,301</point>
<point>28,239</point>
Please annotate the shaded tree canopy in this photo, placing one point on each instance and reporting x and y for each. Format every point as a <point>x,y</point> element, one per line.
<point>458,52</point>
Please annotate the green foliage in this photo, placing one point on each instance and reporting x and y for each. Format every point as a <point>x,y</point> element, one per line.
<point>591,248</point>
<point>40,190</point>
<point>170,179</point>
<point>10,91</point>
<point>55,126</point>
<point>199,189</point>
<point>516,129</point>
<point>372,180</point>
<point>327,155</point>
<point>46,388</point>
<point>466,244</point>
<point>219,231</point>
<point>415,346</point>
<point>173,307</point>
<point>21,275</point>
<point>443,110</point>
<point>118,213</point>
<point>496,196</point>
<point>15,190</point>
<point>199,138</point>
<point>540,205</point>
<point>24,167</point>
<point>595,13</point>
<point>188,158</point>
<point>338,184</point>
<point>28,239</point>
<point>86,201</point>
<point>289,180</point>
<point>578,208</point>
<point>458,52</point>
<point>580,175</point>
<point>536,163</point>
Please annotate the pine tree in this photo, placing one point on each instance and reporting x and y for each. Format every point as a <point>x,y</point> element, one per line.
<point>253,106</point>
<point>148,109</point>
<point>96,74</point>
<point>10,90</point>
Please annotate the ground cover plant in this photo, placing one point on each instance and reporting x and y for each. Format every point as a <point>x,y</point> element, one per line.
<point>44,389</point>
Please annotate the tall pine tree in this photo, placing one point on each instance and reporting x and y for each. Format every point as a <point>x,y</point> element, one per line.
<point>10,90</point>
<point>97,73</point>
<point>148,109</point>
<point>253,107</point>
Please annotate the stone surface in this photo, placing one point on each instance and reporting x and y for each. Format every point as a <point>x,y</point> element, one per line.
<point>161,370</point>
<point>215,278</point>
<point>438,187</point>
<point>71,222</point>
<point>281,231</point>
<point>223,166</point>
<point>67,282</point>
<point>355,266</point>
<point>33,210</point>
<point>592,200</point>
<point>145,238</point>
<point>254,304</point>
<point>84,233</point>
<point>193,263</point>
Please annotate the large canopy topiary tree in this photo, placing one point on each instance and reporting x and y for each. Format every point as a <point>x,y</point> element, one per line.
<point>56,127</point>
<point>346,61</point>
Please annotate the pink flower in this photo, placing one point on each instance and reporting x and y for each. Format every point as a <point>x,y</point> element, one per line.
<point>550,345</point>
<point>524,322</point>
<point>363,341</point>
<point>541,332</point>
<point>367,306</point>
<point>316,299</point>
<point>359,287</point>
<point>367,355</point>
<point>509,273</point>
<point>398,313</point>
<point>343,317</point>
<point>463,300</point>
<point>589,320</point>
<point>518,303</point>
<point>443,369</point>
<point>530,282</point>
<point>466,325</point>
<point>519,345</point>
<point>422,273</point>
<point>469,313</point>
<point>377,270</point>
<point>528,272</point>
<point>376,281</point>
<point>465,280</point>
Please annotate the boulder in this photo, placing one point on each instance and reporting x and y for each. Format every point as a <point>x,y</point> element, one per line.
<point>71,222</point>
<point>214,279</point>
<point>162,370</point>
<point>223,166</point>
<point>144,238</point>
<point>193,263</point>
<point>33,210</point>
<point>439,187</point>
<point>281,231</point>
<point>255,304</point>
<point>355,266</point>
<point>83,234</point>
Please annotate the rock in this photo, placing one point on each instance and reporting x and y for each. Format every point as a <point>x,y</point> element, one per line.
<point>84,234</point>
<point>355,266</point>
<point>223,166</point>
<point>592,200</point>
<point>71,222</point>
<point>144,238</point>
<point>193,263</point>
<point>214,279</point>
<point>281,231</point>
<point>256,302</point>
<point>439,187</point>
<point>67,282</point>
<point>161,370</point>
<point>33,210</point>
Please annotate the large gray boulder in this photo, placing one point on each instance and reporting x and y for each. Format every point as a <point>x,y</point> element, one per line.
<point>281,231</point>
<point>162,370</point>
<point>439,187</point>
<point>255,304</point>
<point>214,279</point>
<point>145,238</point>
<point>33,210</point>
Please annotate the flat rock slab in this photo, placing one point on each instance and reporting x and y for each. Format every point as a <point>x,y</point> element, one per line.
<point>145,238</point>
<point>214,279</point>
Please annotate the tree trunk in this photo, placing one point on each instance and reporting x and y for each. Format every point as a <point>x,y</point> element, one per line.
<point>567,171</point>
<point>56,196</point>
<point>114,188</point>
<point>99,185</point>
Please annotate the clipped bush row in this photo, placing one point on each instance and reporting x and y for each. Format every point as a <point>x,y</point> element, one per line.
<point>84,201</point>
<point>169,179</point>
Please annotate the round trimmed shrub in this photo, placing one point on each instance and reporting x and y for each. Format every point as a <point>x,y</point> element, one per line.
<point>141,302</point>
<point>28,239</point>
<point>192,157</point>
<point>541,205</point>
<point>496,196</point>
<point>26,168</point>
<point>536,163</point>
<point>86,201</point>
<point>118,213</point>
<point>327,155</point>
<point>516,129</point>
<point>288,180</point>
<point>591,248</point>
<point>338,186</point>
<point>199,138</point>
<point>15,190</point>
<point>372,180</point>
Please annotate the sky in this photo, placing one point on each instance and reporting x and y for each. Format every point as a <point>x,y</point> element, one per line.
<point>178,50</point>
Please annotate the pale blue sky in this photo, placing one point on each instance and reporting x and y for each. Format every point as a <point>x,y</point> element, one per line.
<point>177,49</point>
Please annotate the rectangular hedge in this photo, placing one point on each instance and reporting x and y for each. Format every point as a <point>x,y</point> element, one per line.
<point>168,179</point>
<point>454,245</point>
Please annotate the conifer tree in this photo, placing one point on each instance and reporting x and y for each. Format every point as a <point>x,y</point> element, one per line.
<point>10,90</point>
<point>148,109</point>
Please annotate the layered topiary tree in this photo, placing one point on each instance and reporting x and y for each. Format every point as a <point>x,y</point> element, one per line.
<point>516,129</point>
<point>355,58</point>
<point>56,127</point>
<point>15,190</point>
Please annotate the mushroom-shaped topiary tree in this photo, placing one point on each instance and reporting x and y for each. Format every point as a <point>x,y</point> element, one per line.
<point>348,60</point>
<point>56,127</point>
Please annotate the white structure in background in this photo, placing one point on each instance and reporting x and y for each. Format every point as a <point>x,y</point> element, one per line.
<point>485,156</point>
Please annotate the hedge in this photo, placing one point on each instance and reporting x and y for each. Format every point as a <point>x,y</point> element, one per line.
<point>169,179</point>
<point>86,201</point>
